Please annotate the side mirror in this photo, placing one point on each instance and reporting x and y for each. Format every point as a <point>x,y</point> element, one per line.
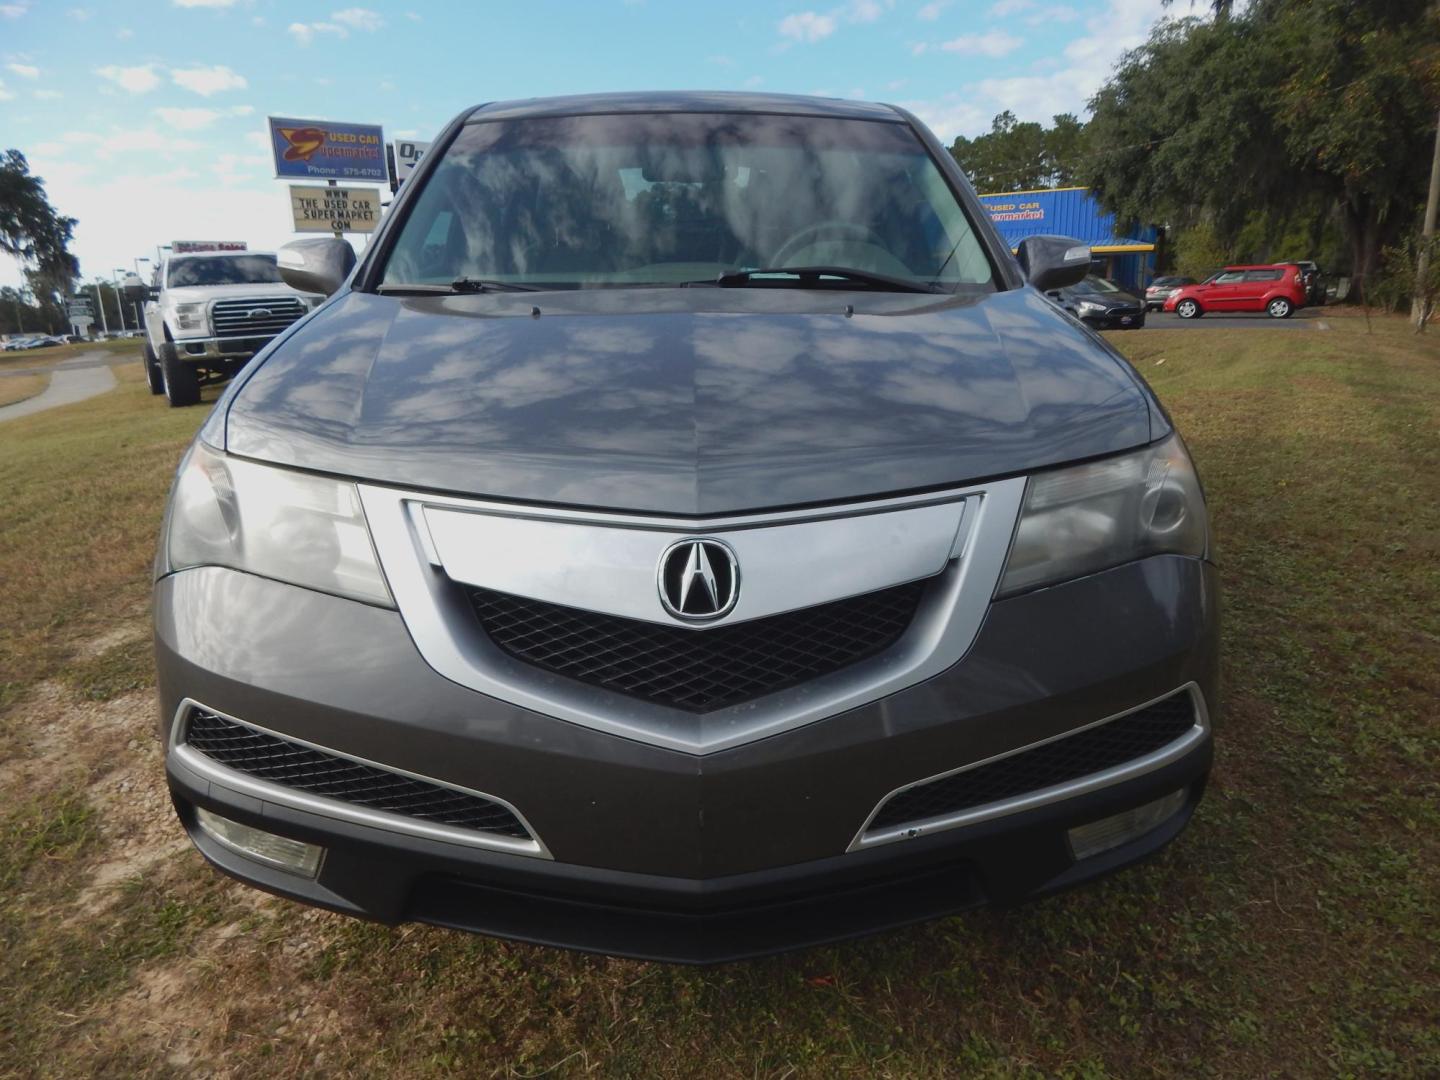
<point>1053,262</point>
<point>134,290</point>
<point>317,265</point>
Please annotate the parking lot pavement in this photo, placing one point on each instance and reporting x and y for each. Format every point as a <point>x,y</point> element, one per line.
<point>1304,319</point>
<point>68,384</point>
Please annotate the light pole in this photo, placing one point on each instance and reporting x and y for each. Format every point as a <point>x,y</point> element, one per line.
<point>138,260</point>
<point>100,303</point>
<point>116,275</point>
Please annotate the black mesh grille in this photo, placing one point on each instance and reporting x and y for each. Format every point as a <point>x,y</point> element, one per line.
<point>269,757</point>
<point>698,670</point>
<point>1070,758</point>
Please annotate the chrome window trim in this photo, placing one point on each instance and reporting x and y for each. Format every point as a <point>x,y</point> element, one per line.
<point>442,623</point>
<point>1172,751</point>
<point>336,808</point>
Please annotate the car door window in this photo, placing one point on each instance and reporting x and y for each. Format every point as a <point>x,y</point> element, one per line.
<point>1263,275</point>
<point>1230,277</point>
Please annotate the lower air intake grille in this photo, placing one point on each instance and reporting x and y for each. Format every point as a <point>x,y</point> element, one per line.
<point>1102,747</point>
<point>269,757</point>
<point>697,670</point>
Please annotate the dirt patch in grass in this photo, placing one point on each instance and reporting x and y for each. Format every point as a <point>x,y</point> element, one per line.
<point>1293,930</point>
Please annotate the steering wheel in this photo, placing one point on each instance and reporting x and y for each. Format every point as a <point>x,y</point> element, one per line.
<point>798,241</point>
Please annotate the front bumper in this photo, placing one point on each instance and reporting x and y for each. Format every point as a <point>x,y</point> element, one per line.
<point>663,854</point>
<point>1127,320</point>
<point>229,348</point>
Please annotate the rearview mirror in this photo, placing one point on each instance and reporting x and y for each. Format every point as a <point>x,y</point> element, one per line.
<point>318,265</point>
<point>1053,262</point>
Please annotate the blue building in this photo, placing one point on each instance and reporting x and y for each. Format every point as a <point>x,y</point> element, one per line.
<point>1123,255</point>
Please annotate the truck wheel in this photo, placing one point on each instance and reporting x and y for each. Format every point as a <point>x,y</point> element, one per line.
<point>154,377</point>
<point>182,380</point>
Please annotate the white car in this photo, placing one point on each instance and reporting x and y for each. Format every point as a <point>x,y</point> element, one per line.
<point>210,312</point>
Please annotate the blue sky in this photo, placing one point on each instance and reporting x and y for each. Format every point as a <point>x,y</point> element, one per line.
<point>146,117</point>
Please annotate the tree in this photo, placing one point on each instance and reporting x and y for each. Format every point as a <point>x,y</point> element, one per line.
<point>1285,104</point>
<point>1018,156</point>
<point>32,231</point>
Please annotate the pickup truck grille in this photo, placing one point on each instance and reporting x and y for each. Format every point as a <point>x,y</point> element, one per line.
<point>260,316</point>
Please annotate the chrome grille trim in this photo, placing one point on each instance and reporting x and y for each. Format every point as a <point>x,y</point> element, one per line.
<point>442,623</point>
<point>1173,751</point>
<point>335,808</point>
<point>243,318</point>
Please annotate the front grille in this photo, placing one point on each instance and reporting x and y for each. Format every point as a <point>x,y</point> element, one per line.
<point>697,670</point>
<point>315,772</point>
<point>1099,748</point>
<point>261,316</point>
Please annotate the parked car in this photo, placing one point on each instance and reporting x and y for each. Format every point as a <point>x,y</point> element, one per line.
<point>208,313</point>
<point>1100,303</point>
<point>1276,290</point>
<point>688,533</point>
<point>1159,290</point>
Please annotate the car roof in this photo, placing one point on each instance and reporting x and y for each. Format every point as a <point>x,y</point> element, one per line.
<point>679,101</point>
<point>1257,266</point>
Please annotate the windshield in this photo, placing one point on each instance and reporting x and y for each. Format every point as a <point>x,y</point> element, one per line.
<point>226,270</point>
<point>1093,284</point>
<point>655,199</point>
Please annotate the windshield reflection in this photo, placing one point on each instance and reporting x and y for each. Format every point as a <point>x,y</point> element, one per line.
<point>640,199</point>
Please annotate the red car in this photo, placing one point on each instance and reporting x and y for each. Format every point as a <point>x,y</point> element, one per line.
<point>1276,290</point>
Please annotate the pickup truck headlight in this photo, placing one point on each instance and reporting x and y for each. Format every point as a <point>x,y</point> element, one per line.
<point>290,526</point>
<point>1089,517</point>
<point>190,316</point>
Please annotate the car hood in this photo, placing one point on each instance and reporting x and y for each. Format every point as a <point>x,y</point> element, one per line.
<point>687,401</point>
<point>1110,301</point>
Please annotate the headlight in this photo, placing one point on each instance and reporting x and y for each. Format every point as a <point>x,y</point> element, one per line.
<point>1082,519</point>
<point>1089,307</point>
<point>190,316</point>
<point>307,530</point>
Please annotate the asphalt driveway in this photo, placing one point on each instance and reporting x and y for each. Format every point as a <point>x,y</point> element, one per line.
<point>1304,319</point>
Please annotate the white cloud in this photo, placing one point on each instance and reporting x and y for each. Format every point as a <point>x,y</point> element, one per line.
<point>864,11</point>
<point>952,115</point>
<point>412,16</point>
<point>241,110</point>
<point>13,11</point>
<point>992,43</point>
<point>754,81</point>
<point>1010,7</point>
<point>124,33</point>
<point>340,24</point>
<point>204,3</point>
<point>258,139</point>
<point>358,18</point>
<point>46,95</point>
<point>5,95</point>
<point>140,79</point>
<point>80,14</point>
<point>1056,13</point>
<point>25,71</point>
<point>208,80</point>
<point>807,26</point>
<point>930,12</point>
<point>187,119</point>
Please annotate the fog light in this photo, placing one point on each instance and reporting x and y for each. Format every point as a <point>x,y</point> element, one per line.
<point>263,847</point>
<point>1111,832</point>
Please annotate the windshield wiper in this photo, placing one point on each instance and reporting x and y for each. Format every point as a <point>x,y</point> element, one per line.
<point>459,285</point>
<point>807,274</point>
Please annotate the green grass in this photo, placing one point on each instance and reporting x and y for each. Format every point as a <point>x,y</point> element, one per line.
<point>1293,930</point>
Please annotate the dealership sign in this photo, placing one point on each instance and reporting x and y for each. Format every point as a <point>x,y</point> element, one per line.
<point>408,153</point>
<point>322,150</point>
<point>190,247</point>
<point>334,209</point>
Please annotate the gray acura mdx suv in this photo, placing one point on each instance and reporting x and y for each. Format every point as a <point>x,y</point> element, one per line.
<point>687,533</point>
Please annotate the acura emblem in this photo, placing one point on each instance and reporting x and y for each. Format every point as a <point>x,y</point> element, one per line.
<point>699,579</point>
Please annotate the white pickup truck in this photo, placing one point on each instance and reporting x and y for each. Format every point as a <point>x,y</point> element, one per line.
<point>209,312</point>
